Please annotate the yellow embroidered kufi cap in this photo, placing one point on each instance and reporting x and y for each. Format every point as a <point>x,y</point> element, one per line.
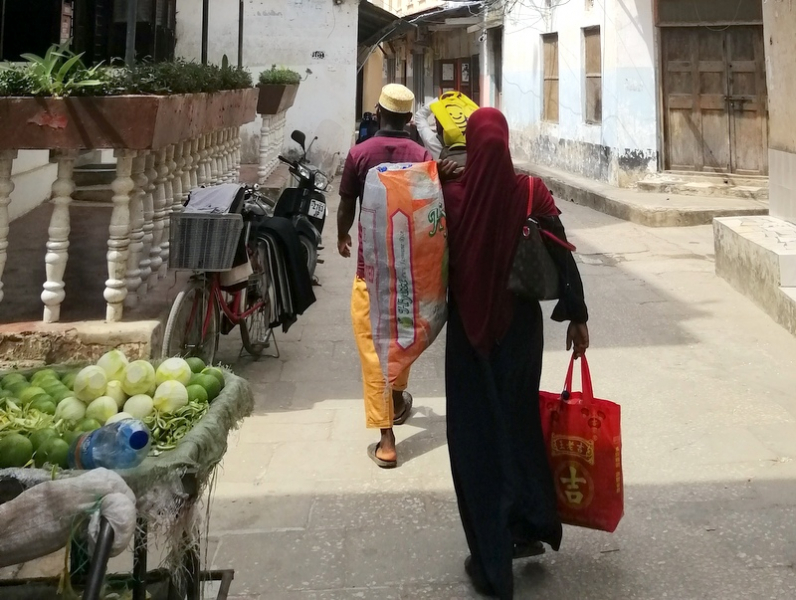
<point>397,98</point>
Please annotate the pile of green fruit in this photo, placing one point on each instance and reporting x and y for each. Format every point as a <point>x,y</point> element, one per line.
<point>42,414</point>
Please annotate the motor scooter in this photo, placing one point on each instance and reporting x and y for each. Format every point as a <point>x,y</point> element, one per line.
<point>305,203</point>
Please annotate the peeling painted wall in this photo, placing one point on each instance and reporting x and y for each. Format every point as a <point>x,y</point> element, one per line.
<point>624,147</point>
<point>301,34</point>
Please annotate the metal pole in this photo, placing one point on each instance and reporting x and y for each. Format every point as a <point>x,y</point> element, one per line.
<point>2,28</point>
<point>132,21</point>
<point>205,25</point>
<point>99,563</point>
<point>240,35</point>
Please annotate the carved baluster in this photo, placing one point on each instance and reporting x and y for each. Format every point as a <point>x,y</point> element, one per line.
<point>187,170</point>
<point>6,187</point>
<point>225,162</point>
<point>215,157</point>
<point>158,214</point>
<point>195,158</point>
<point>201,171</point>
<point>238,145</point>
<point>133,277</point>
<point>265,149</point>
<point>58,243</point>
<point>149,226</point>
<point>170,187</point>
<point>119,236</point>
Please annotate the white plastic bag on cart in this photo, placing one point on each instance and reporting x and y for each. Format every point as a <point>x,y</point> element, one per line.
<point>40,521</point>
<point>405,249</point>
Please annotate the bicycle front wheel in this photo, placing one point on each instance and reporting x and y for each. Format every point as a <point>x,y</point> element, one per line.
<point>193,325</point>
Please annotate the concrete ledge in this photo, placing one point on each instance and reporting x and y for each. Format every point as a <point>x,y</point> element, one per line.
<point>33,344</point>
<point>644,208</point>
<point>757,256</point>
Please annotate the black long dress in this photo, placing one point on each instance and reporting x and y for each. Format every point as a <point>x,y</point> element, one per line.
<point>501,474</point>
<point>500,471</point>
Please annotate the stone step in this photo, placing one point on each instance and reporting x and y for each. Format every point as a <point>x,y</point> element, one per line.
<point>97,174</point>
<point>702,188</point>
<point>757,256</point>
<point>726,178</point>
<point>93,193</point>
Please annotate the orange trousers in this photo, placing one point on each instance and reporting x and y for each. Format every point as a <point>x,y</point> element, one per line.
<point>379,409</point>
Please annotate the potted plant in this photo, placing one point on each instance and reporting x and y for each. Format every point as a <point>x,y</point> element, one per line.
<point>278,87</point>
<point>56,102</point>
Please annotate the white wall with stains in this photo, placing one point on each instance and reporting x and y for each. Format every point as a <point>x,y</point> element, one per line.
<point>624,147</point>
<point>318,35</point>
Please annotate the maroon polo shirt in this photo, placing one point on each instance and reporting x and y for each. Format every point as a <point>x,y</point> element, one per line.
<point>384,147</point>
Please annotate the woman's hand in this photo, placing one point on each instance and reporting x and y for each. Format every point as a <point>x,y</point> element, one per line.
<point>578,338</point>
<point>448,170</point>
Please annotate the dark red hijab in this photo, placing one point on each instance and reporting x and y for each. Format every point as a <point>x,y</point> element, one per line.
<point>485,210</point>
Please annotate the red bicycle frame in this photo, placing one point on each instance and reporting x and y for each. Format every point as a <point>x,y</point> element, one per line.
<point>235,314</point>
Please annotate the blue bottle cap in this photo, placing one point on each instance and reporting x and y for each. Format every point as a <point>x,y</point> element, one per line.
<point>139,440</point>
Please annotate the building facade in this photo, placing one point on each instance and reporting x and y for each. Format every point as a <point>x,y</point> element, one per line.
<point>614,91</point>
<point>316,38</point>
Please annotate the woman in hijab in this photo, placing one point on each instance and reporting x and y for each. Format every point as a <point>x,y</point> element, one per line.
<point>503,482</point>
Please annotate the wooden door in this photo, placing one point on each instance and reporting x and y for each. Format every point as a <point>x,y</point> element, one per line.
<point>747,101</point>
<point>714,97</point>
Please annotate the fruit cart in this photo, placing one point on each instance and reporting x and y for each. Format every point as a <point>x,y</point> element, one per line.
<point>167,487</point>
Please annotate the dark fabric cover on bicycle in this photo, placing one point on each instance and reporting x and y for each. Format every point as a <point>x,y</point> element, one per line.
<point>226,198</point>
<point>299,276</point>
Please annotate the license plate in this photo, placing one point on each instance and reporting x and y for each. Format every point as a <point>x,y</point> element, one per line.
<point>317,209</point>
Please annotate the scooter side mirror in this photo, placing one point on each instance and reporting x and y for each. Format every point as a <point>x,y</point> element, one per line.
<point>299,138</point>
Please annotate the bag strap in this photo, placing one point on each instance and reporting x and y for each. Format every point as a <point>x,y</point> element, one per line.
<point>585,379</point>
<point>550,236</point>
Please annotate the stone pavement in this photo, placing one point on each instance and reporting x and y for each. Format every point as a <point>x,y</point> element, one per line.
<point>706,382</point>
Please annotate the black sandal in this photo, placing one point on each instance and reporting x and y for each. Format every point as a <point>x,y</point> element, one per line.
<point>527,549</point>
<point>478,580</point>
<point>407,411</point>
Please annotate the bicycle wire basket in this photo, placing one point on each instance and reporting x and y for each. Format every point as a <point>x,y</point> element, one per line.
<point>203,242</point>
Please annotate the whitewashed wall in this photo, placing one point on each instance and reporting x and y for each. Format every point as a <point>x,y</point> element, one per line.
<point>625,146</point>
<point>33,176</point>
<point>300,34</point>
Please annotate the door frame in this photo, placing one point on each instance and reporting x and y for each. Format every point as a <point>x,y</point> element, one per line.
<point>660,76</point>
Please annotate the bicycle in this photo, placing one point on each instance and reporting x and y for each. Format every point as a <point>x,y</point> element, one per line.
<point>209,306</point>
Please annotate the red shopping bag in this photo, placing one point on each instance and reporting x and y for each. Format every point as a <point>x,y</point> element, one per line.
<point>584,445</point>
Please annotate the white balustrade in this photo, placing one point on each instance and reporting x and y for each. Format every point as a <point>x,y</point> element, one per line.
<point>119,236</point>
<point>272,137</point>
<point>238,145</point>
<point>148,186</point>
<point>149,226</point>
<point>187,170</point>
<point>215,157</point>
<point>6,187</point>
<point>158,215</point>
<point>173,183</point>
<point>133,276</point>
<point>58,232</point>
<point>225,161</point>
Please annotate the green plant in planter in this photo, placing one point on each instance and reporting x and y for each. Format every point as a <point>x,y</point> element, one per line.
<point>279,76</point>
<point>60,72</point>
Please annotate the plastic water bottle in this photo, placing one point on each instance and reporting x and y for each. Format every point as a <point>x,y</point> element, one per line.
<point>120,445</point>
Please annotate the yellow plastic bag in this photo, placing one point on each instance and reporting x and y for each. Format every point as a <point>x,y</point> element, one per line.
<point>453,110</point>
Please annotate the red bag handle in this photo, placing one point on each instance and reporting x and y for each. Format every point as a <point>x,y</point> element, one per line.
<point>585,379</point>
<point>545,233</point>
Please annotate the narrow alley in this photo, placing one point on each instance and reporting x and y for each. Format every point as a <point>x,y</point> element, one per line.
<point>705,380</point>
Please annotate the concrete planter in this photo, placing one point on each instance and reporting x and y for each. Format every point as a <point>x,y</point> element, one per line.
<point>124,122</point>
<point>275,99</point>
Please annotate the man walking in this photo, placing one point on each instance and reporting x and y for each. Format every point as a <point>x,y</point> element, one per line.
<point>391,144</point>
